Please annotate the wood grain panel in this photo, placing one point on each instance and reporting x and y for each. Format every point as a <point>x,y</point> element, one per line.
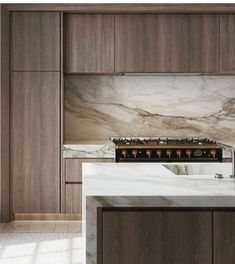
<point>227,40</point>
<point>35,142</point>
<point>73,168</point>
<point>4,117</point>
<point>166,43</point>
<point>73,204</point>
<point>46,217</point>
<point>156,237</point>
<point>89,43</point>
<point>224,237</point>
<point>126,8</point>
<point>35,38</point>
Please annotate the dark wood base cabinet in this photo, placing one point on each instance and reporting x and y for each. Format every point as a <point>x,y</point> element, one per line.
<point>166,237</point>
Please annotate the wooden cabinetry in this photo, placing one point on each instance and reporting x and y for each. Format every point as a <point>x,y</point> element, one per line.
<point>224,238</point>
<point>89,43</point>
<point>160,237</point>
<point>72,201</point>
<point>35,41</point>
<point>35,142</point>
<point>227,43</point>
<point>166,43</point>
<point>73,198</point>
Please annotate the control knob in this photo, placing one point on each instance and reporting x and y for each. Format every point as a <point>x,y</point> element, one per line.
<point>124,153</point>
<point>179,153</point>
<point>168,153</point>
<point>189,153</point>
<point>213,153</point>
<point>148,153</point>
<point>134,153</point>
<point>159,153</point>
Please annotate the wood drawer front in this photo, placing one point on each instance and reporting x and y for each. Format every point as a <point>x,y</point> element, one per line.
<point>73,198</point>
<point>166,43</point>
<point>35,41</point>
<point>89,43</point>
<point>73,168</point>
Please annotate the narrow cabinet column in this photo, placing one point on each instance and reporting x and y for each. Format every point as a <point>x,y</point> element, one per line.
<point>35,142</point>
<point>35,112</point>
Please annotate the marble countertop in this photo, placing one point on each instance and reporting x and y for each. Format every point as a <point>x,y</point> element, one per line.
<point>155,179</point>
<point>89,149</point>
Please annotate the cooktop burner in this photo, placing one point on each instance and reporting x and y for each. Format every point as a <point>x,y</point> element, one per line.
<point>155,149</point>
<point>163,141</point>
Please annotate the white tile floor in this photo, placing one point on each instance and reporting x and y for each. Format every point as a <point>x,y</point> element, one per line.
<point>41,242</point>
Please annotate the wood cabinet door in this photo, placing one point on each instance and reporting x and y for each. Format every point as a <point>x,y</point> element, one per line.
<point>89,43</point>
<point>224,237</point>
<point>35,142</point>
<point>35,41</point>
<point>73,195</point>
<point>73,168</point>
<point>159,237</point>
<point>166,43</point>
<point>227,40</point>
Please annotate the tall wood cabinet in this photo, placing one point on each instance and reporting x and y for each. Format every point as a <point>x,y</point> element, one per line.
<point>35,112</point>
<point>35,149</point>
<point>166,43</point>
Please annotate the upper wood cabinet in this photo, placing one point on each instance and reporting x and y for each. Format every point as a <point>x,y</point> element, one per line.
<point>35,41</point>
<point>166,43</point>
<point>89,43</point>
<point>227,43</point>
<point>35,142</point>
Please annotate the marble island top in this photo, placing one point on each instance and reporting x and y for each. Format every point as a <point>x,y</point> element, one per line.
<point>155,179</point>
<point>150,185</point>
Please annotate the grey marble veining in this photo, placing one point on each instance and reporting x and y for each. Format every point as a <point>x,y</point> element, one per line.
<point>92,150</point>
<point>98,107</point>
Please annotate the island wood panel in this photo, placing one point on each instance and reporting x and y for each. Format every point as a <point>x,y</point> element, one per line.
<point>35,41</point>
<point>89,43</point>
<point>73,194</point>
<point>73,168</point>
<point>224,237</point>
<point>159,237</point>
<point>166,43</point>
<point>35,142</point>
<point>227,40</point>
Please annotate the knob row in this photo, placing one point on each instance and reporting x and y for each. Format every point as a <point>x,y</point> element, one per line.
<point>169,152</point>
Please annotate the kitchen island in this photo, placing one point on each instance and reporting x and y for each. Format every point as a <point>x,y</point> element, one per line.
<point>116,193</point>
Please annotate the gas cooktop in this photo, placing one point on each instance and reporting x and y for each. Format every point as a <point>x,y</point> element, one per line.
<point>157,149</point>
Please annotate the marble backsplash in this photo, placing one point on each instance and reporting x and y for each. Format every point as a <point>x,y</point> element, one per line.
<point>99,107</point>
